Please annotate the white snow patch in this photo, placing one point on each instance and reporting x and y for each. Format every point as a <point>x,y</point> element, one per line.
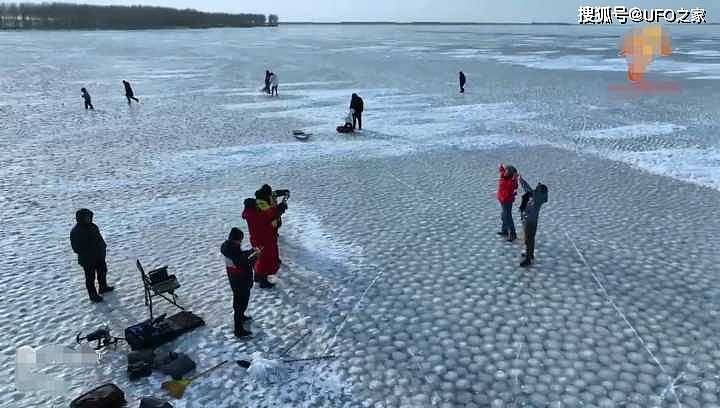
<point>633,131</point>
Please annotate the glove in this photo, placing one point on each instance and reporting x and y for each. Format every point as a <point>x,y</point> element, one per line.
<point>282,207</point>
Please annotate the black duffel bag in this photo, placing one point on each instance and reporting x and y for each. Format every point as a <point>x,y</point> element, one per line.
<point>151,333</point>
<point>175,365</point>
<point>140,364</point>
<point>104,396</point>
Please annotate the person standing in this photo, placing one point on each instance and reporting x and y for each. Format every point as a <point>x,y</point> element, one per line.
<point>261,219</point>
<point>267,82</point>
<point>507,188</point>
<point>239,268</point>
<point>87,99</point>
<point>462,82</point>
<point>534,199</point>
<point>274,84</point>
<point>357,106</point>
<point>89,245</point>
<point>129,94</point>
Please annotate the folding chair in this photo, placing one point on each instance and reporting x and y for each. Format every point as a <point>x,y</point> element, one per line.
<point>158,283</point>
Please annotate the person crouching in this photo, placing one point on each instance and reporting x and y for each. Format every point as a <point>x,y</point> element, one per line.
<point>239,267</point>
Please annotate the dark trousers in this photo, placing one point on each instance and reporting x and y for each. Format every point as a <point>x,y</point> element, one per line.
<point>88,105</point>
<point>92,271</point>
<point>462,88</point>
<point>240,285</point>
<point>530,230</point>
<point>129,97</point>
<point>508,225</point>
<point>357,119</point>
<point>273,90</point>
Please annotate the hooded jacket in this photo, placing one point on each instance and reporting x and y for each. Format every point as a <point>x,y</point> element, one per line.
<point>86,240</point>
<point>262,225</point>
<point>237,260</point>
<point>534,202</point>
<point>356,103</point>
<point>128,89</point>
<point>507,185</point>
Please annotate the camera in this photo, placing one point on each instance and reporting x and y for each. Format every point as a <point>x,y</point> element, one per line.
<point>281,193</point>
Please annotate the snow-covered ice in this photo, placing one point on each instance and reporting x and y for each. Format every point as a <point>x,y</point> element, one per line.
<point>390,257</point>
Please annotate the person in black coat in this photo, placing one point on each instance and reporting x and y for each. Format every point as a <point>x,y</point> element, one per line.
<point>89,245</point>
<point>462,82</point>
<point>86,97</point>
<point>239,267</point>
<point>356,104</point>
<point>129,94</point>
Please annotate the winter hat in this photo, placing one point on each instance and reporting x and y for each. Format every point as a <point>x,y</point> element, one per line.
<point>510,171</point>
<point>81,214</point>
<point>266,189</point>
<point>250,203</point>
<point>235,234</point>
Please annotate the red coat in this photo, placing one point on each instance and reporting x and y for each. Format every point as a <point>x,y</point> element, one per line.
<point>262,225</point>
<point>507,188</point>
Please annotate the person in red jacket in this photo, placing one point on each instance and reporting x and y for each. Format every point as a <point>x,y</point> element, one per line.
<point>262,225</point>
<point>507,188</point>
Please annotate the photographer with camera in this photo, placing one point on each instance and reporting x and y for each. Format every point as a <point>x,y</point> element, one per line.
<point>239,267</point>
<point>262,219</point>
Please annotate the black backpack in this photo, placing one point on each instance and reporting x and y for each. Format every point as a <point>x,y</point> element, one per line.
<point>140,364</point>
<point>104,396</point>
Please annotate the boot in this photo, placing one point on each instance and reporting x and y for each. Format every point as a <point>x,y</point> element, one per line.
<point>96,299</point>
<point>526,262</point>
<point>502,234</point>
<point>107,289</point>
<point>241,332</point>
<point>266,284</point>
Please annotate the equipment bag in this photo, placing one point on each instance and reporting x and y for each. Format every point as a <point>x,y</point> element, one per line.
<point>174,364</point>
<point>146,335</point>
<point>140,364</point>
<point>186,321</point>
<point>152,402</point>
<point>104,396</point>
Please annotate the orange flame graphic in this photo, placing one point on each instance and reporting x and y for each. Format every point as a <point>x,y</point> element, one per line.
<point>640,45</point>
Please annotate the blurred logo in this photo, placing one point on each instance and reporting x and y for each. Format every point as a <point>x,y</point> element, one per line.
<point>32,366</point>
<point>640,46</point>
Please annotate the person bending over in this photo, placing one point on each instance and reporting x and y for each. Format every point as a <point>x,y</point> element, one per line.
<point>535,199</point>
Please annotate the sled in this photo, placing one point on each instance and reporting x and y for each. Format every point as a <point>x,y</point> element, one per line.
<point>343,129</point>
<point>301,135</point>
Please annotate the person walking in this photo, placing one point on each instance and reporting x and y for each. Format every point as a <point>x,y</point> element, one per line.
<point>239,268</point>
<point>87,99</point>
<point>357,106</point>
<point>129,94</point>
<point>90,247</point>
<point>462,82</point>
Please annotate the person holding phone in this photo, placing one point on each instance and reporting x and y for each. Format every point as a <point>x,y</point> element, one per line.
<point>239,268</point>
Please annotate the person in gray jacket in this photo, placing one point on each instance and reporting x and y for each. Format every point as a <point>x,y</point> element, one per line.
<point>532,201</point>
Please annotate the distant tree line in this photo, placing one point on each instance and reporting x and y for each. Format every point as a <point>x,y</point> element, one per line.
<point>84,16</point>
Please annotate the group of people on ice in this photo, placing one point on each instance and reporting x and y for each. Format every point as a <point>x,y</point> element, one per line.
<point>530,204</point>
<point>263,217</point>
<point>129,94</point>
<point>271,83</point>
<point>353,118</point>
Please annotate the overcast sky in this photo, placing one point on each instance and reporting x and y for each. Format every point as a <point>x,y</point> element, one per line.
<point>420,10</point>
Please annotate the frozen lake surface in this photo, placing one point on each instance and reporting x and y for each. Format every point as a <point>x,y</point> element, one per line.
<point>389,247</point>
